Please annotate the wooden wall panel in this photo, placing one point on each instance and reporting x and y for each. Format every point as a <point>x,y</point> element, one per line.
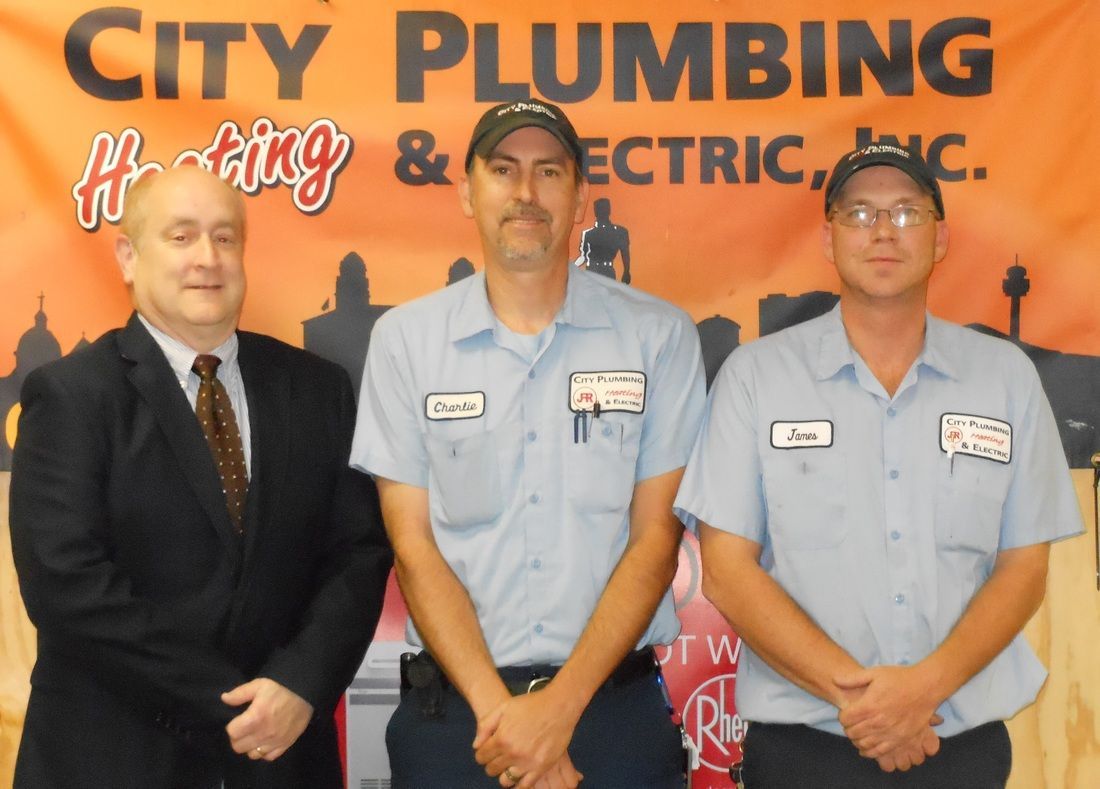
<point>1056,741</point>
<point>17,647</point>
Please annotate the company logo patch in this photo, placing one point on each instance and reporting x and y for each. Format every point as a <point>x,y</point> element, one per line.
<point>441,406</point>
<point>980,436</point>
<point>614,390</point>
<point>796,435</point>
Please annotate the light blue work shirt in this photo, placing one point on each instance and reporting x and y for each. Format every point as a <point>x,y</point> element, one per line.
<point>878,532</point>
<point>531,517</point>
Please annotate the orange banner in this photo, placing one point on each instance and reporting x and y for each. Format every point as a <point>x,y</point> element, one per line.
<point>709,128</point>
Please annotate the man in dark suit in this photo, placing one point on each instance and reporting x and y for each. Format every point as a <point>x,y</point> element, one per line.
<point>193,631</point>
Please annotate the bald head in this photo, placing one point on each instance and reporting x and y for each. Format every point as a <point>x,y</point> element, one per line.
<point>135,207</point>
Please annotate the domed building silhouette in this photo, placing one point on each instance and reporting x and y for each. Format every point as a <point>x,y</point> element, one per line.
<point>36,347</point>
<point>459,270</point>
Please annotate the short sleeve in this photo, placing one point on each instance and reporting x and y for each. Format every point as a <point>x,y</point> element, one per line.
<point>722,483</point>
<point>388,439</point>
<point>1041,505</point>
<point>675,398</point>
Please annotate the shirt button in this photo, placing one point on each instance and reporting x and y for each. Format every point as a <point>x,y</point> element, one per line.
<point>538,628</point>
<point>534,498</point>
<point>893,473</point>
<point>895,535</point>
<point>899,599</point>
<point>606,430</point>
<point>536,563</point>
<point>530,373</point>
<point>532,435</point>
<point>891,412</point>
<point>904,661</point>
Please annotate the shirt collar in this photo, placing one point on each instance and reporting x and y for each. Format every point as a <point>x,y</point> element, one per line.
<point>937,351</point>
<point>585,304</point>
<point>583,308</point>
<point>836,351</point>
<point>181,357</point>
<point>474,314</point>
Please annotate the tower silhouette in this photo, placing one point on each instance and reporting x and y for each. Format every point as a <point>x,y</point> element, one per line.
<point>1071,381</point>
<point>1015,285</point>
<point>342,334</point>
<point>718,336</point>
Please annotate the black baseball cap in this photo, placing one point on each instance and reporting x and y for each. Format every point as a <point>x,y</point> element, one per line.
<point>883,154</point>
<point>500,121</point>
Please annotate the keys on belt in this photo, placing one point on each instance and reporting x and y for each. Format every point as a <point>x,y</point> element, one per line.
<point>422,675</point>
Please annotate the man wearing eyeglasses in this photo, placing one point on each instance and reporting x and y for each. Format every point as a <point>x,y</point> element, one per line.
<point>875,492</point>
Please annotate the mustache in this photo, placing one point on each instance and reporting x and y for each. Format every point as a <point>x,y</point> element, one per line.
<point>526,212</point>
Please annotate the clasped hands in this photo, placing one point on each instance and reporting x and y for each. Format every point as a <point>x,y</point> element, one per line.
<point>888,713</point>
<point>524,742</point>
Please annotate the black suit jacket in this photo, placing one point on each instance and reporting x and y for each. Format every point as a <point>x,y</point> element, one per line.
<point>147,603</point>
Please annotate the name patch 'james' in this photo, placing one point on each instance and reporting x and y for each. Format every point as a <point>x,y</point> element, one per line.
<point>454,405</point>
<point>797,435</point>
<point>980,436</point>
<point>614,390</point>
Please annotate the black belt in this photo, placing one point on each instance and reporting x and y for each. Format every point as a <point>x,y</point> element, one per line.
<point>525,679</point>
<point>421,670</point>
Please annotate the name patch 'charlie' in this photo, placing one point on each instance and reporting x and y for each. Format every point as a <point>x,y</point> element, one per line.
<point>454,405</point>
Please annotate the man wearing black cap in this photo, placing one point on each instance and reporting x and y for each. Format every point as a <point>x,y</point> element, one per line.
<point>528,427</point>
<point>875,492</point>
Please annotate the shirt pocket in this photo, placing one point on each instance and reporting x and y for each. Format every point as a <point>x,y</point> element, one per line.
<point>601,470</point>
<point>970,495</point>
<point>805,490</point>
<point>464,482</point>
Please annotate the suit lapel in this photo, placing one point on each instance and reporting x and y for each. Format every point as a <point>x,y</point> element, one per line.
<point>155,382</point>
<point>267,389</point>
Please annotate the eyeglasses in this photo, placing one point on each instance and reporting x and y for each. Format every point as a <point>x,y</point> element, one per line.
<point>866,215</point>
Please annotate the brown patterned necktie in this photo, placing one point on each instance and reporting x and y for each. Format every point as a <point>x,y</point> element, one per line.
<point>219,425</point>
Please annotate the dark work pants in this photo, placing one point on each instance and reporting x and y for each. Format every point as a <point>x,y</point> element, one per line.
<point>625,738</point>
<point>780,756</point>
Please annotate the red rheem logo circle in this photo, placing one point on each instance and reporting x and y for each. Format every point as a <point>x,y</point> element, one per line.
<point>711,720</point>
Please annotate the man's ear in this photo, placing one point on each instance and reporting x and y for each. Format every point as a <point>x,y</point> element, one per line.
<point>827,240</point>
<point>464,196</point>
<point>582,201</point>
<point>942,236</point>
<point>126,256</point>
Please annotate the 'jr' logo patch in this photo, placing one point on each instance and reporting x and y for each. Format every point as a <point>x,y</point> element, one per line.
<point>613,390</point>
<point>980,436</point>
